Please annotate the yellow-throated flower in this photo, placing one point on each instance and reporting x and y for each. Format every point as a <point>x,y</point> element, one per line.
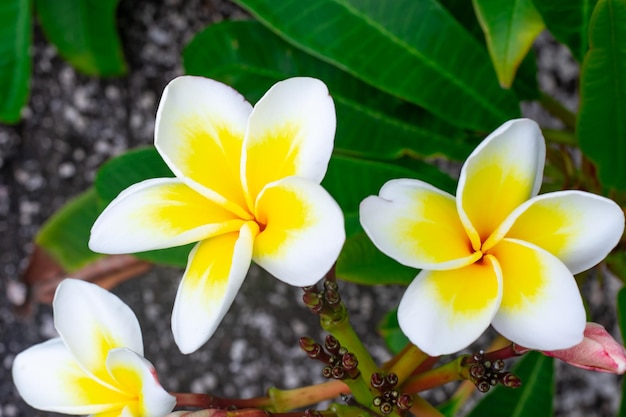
<point>247,187</point>
<point>96,366</point>
<point>497,253</point>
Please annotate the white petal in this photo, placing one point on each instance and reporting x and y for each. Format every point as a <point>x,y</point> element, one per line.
<point>302,231</point>
<point>290,132</point>
<point>48,378</point>
<point>158,213</point>
<point>137,377</point>
<point>215,272</point>
<point>541,306</point>
<point>442,312</point>
<point>91,321</point>
<point>417,225</point>
<point>578,228</point>
<point>504,171</point>
<point>199,132</point>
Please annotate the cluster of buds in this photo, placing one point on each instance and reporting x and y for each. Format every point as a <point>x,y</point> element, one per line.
<point>389,397</point>
<point>340,364</point>
<point>485,373</point>
<point>326,301</point>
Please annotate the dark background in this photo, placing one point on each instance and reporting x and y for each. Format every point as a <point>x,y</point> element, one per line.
<point>74,123</point>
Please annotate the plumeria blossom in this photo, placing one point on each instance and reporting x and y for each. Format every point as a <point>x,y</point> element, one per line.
<point>246,187</point>
<point>497,253</point>
<point>96,365</point>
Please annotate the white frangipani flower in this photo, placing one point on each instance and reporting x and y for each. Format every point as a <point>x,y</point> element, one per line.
<point>247,187</point>
<point>497,253</point>
<point>96,366</point>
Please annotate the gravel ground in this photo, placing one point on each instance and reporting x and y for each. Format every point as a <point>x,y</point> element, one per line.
<point>74,123</point>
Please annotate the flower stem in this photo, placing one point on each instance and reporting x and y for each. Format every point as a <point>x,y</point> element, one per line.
<point>451,371</point>
<point>188,399</point>
<point>285,400</point>
<point>407,361</point>
<point>557,109</point>
<point>422,408</point>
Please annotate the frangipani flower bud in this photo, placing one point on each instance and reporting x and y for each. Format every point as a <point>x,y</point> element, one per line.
<point>598,351</point>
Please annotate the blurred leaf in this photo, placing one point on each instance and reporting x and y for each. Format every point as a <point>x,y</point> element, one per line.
<point>525,83</point>
<point>390,331</point>
<point>510,29</point>
<point>568,21</point>
<point>66,234</point>
<point>15,61</point>
<point>533,399</point>
<point>413,49</point>
<point>250,58</point>
<point>616,261</point>
<point>349,180</point>
<point>601,126</point>
<point>127,169</point>
<point>362,263</point>
<point>85,33</point>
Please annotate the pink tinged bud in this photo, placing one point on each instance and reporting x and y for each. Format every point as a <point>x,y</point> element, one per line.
<point>598,351</point>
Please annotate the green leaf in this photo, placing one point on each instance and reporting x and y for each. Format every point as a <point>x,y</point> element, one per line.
<point>15,63</point>
<point>349,180</point>
<point>525,83</point>
<point>533,399</point>
<point>568,21</point>
<point>362,263</point>
<point>250,58</point>
<point>601,126</point>
<point>510,29</point>
<point>413,49</point>
<point>389,330</point>
<point>127,169</point>
<point>65,235</point>
<point>85,33</point>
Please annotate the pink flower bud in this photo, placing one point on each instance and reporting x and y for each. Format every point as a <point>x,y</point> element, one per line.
<point>598,351</point>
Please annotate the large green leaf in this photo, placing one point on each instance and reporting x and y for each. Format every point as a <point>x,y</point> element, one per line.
<point>601,123</point>
<point>127,169</point>
<point>84,32</point>
<point>15,62</point>
<point>66,233</point>
<point>510,29</point>
<point>361,262</point>
<point>533,399</point>
<point>250,58</point>
<point>413,49</point>
<point>568,21</point>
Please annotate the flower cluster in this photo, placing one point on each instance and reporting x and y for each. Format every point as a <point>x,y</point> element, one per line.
<point>246,187</point>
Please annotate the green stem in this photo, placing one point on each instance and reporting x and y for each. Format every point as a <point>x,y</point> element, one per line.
<point>461,395</point>
<point>188,399</point>
<point>562,137</point>
<point>422,408</point>
<point>339,326</point>
<point>557,109</point>
<point>451,371</point>
<point>285,400</point>
<point>407,361</point>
